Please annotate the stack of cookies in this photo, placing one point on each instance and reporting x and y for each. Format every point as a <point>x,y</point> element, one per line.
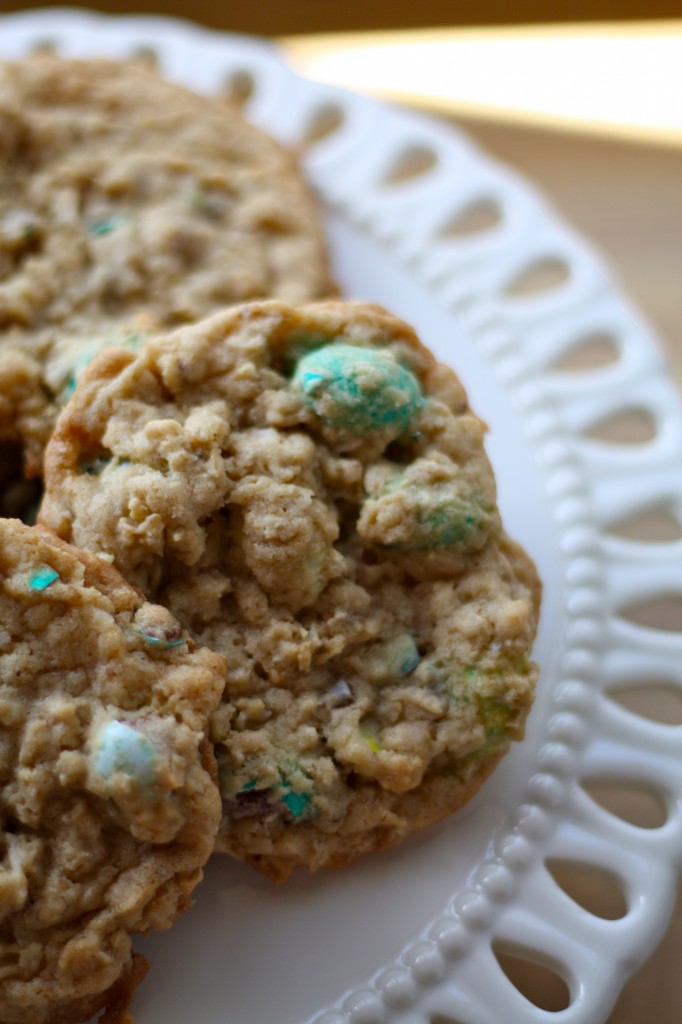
<point>270,608</point>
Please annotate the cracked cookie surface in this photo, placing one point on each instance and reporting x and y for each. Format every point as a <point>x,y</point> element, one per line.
<point>307,490</point>
<point>129,205</point>
<point>108,804</point>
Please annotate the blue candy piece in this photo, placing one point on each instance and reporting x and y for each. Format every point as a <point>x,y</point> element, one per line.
<point>42,578</point>
<point>296,803</point>
<point>160,642</point>
<point>105,225</point>
<point>120,748</point>
<point>356,389</point>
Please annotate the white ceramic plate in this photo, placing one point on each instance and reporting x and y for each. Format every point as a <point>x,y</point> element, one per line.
<point>410,936</point>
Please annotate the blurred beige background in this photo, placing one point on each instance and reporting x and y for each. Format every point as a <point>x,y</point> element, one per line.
<point>269,17</point>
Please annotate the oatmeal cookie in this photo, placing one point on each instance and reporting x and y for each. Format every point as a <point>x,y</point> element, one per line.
<point>307,491</point>
<point>109,803</point>
<point>129,205</point>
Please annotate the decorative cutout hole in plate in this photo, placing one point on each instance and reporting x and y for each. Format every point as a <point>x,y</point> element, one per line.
<point>657,524</point>
<point>544,275</point>
<point>664,612</point>
<point>532,976</point>
<point>656,702</point>
<point>634,802</point>
<point>627,426</point>
<point>239,87</point>
<point>475,219</point>
<point>147,56</point>
<point>595,889</point>
<point>590,352</point>
<point>440,1018</point>
<point>324,121</point>
<point>412,163</point>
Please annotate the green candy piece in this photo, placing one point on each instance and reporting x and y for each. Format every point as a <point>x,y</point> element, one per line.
<point>42,578</point>
<point>444,521</point>
<point>370,737</point>
<point>105,225</point>
<point>444,524</point>
<point>450,524</point>
<point>412,516</point>
<point>356,389</point>
<point>495,717</point>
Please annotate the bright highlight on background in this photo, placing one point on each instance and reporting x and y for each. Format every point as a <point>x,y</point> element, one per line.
<point>623,80</point>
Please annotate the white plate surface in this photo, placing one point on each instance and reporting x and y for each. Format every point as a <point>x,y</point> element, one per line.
<point>409,936</point>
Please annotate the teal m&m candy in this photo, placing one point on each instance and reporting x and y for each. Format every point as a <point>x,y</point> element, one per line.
<point>355,389</point>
